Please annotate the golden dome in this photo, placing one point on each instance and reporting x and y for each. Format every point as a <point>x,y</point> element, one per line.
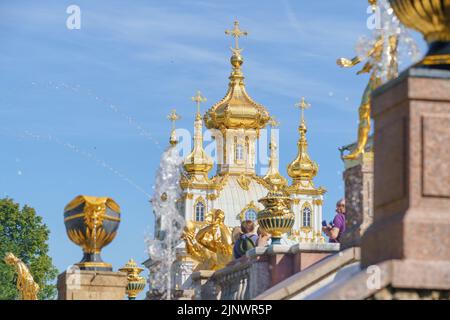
<point>237,109</point>
<point>303,169</point>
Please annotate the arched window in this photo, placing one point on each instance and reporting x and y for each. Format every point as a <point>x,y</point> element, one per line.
<point>200,212</point>
<point>306,212</point>
<point>239,152</point>
<point>250,214</point>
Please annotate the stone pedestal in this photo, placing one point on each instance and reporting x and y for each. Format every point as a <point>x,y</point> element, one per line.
<point>91,285</point>
<point>358,178</point>
<point>412,171</point>
<point>406,250</point>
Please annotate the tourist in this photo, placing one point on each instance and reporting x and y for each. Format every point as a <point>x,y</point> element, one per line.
<point>337,229</point>
<point>247,240</point>
<point>263,238</point>
<point>236,234</point>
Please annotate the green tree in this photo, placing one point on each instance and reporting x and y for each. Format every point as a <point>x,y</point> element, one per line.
<point>23,233</point>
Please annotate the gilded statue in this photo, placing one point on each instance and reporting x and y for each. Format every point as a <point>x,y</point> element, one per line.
<point>374,56</point>
<point>26,286</point>
<point>374,65</point>
<point>207,260</point>
<point>211,246</point>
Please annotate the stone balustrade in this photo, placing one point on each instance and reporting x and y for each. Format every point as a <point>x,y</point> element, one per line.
<point>259,270</point>
<point>233,281</point>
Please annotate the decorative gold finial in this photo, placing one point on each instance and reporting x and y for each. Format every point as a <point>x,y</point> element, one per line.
<point>198,161</point>
<point>302,105</point>
<point>173,117</point>
<point>26,286</point>
<point>237,109</point>
<point>198,99</point>
<point>136,283</point>
<point>302,170</point>
<point>236,33</point>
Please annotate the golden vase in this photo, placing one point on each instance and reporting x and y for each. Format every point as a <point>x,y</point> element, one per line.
<point>277,218</point>
<point>432,19</point>
<point>92,223</point>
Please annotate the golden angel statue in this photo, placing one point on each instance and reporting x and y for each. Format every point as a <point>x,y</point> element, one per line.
<point>381,62</point>
<point>28,289</point>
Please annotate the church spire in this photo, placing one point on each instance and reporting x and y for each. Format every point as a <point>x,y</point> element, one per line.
<point>273,176</point>
<point>173,117</point>
<point>303,170</point>
<point>198,161</point>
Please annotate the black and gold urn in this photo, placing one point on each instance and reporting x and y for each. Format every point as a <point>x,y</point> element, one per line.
<point>432,19</point>
<point>92,223</point>
<point>276,218</point>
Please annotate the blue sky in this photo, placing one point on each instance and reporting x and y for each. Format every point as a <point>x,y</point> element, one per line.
<point>84,111</point>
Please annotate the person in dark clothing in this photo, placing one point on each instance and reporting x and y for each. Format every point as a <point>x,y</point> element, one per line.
<point>246,241</point>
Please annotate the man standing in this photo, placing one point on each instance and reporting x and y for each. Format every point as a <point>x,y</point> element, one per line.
<point>337,229</point>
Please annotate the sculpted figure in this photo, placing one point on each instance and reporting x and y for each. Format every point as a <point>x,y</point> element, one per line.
<point>25,283</point>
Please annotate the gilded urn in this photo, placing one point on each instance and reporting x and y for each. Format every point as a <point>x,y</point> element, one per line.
<point>432,19</point>
<point>135,282</point>
<point>92,223</point>
<point>277,218</point>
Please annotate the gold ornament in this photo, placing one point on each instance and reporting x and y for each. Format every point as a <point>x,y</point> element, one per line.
<point>432,19</point>
<point>206,259</point>
<point>429,17</point>
<point>173,117</point>
<point>374,57</point>
<point>237,109</point>
<point>303,170</point>
<point>92,223</point>
<point>135,282</point>
<point>216,237</point>
<point>28,289</point>
<point>277,218</point>
<point>198,162</point>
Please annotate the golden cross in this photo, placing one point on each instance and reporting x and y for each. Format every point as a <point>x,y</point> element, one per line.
<point>173,116</point>
<point>303,105</point>
<point>198,98</point>
<point>236,33</point>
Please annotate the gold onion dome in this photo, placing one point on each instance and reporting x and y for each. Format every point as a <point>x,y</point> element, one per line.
<point>237,109</point>
<point>198,160</point>
<point>302,168</point>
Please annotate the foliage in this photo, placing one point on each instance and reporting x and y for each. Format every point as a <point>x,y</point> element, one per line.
<point>23,233</point>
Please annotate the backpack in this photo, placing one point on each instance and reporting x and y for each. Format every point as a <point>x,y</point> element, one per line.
<point>245,243</point>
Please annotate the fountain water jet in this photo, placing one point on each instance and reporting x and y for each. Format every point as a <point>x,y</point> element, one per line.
<point>170,223</point>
